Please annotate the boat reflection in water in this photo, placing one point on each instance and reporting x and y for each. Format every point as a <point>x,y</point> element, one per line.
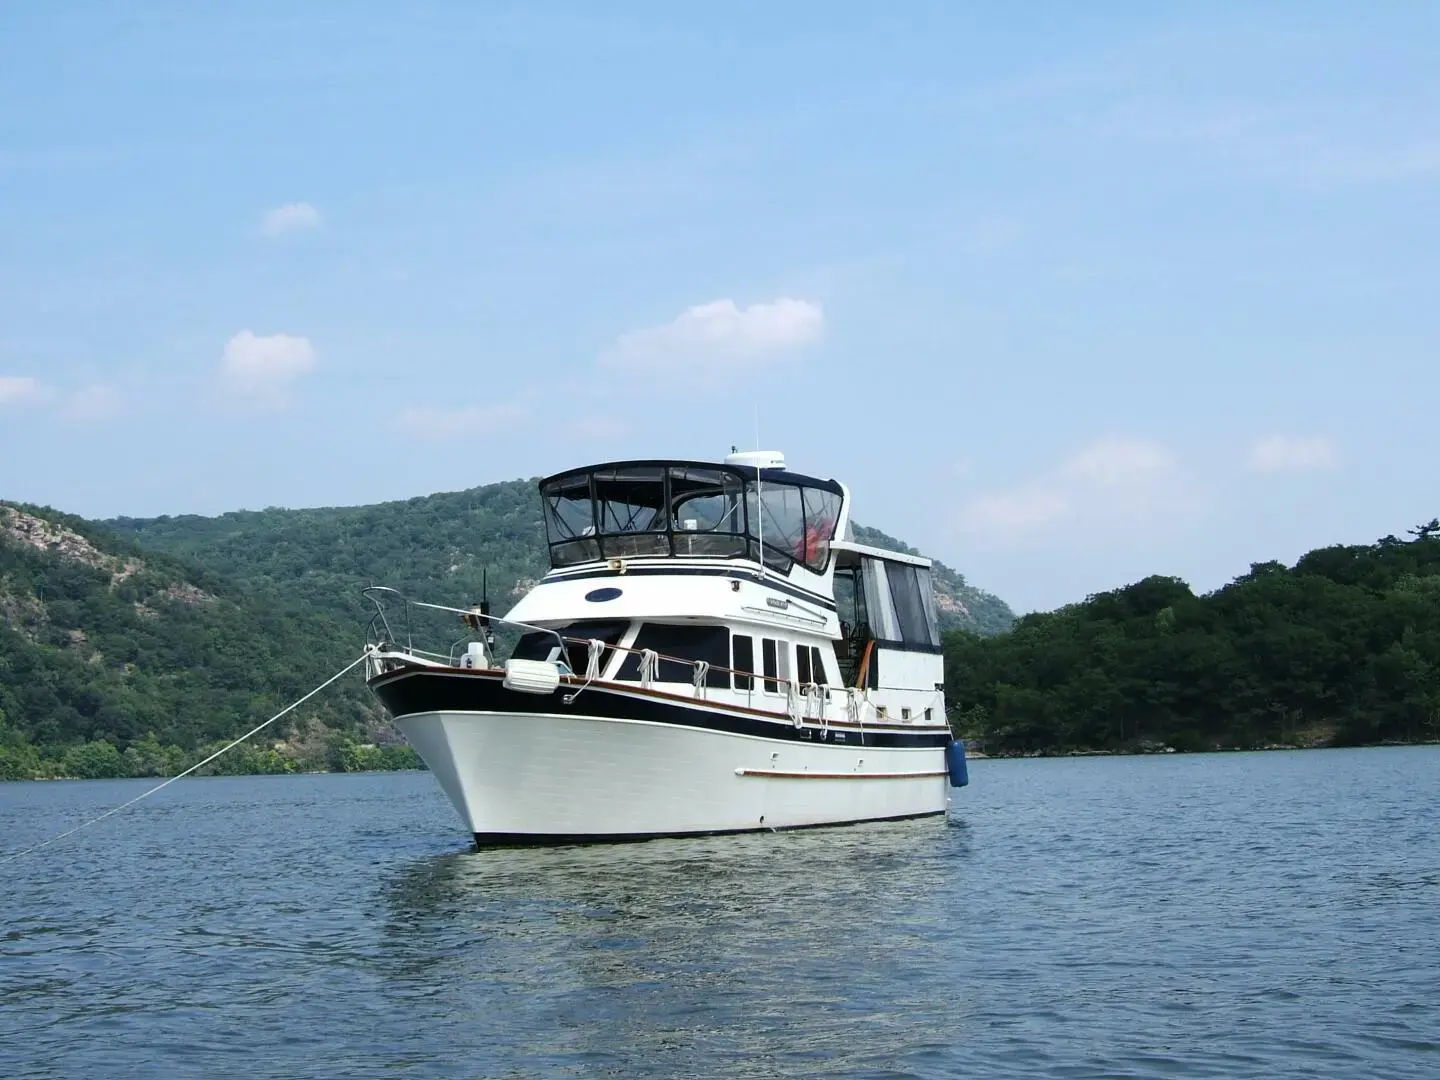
<point>740,955</point>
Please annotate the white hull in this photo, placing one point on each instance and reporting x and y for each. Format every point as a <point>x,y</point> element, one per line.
<point>538,777</point>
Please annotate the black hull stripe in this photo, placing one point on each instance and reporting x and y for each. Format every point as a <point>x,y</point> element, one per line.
<point>512,839</point>
<point>700,571</point>
<point>421,691</point>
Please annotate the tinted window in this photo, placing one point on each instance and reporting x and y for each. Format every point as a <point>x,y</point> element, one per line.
<point>768,657</point>
<point>802,665</point>
<point>682,643</point>
<point>534,646</point>
<point>537,645</point>
<point>744,651</point>
<point>817,667</point>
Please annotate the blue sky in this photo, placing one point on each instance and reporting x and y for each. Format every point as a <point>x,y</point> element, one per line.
<point>1068,294</point>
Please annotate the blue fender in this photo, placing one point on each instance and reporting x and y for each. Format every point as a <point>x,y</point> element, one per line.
<point>955,762</point>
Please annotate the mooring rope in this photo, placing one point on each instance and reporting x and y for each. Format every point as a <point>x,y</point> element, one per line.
<point>199,764</point>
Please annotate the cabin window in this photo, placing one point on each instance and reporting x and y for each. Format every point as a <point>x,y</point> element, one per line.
<point>929,716</point>
<point>769,658</point>
<point>905,712</point>
<point>817,667</point>
<point>630,504</point>
<point>809,666</point>
<point>538,645</point>
<point>743,651</point>
<point>679,647</point>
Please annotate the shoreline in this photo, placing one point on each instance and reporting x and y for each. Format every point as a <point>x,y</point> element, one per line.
<point>982,755</point>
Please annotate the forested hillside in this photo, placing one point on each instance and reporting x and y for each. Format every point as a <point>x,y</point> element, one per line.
<point>115,662</point>
<point>1341,649</point>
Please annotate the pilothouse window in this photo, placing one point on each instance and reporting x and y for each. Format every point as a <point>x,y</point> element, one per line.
<point>708,511</point>
<point>570,520</point>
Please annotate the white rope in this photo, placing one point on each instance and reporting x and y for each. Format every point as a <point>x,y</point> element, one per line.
<point>649,662</point>
<point>179,776</point>
<point>592,668</point>
<point>702,674</point>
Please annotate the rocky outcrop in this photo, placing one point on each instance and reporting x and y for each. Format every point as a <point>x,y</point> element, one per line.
<point>41,534</point>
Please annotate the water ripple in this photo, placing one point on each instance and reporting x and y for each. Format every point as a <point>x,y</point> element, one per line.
<point>1212,916</point>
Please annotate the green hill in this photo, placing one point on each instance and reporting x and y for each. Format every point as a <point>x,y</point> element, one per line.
<point>130,646</point>
<point>1341,649</point>
<point>115,661</point>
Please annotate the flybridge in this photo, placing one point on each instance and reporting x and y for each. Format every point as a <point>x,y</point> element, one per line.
<point>748,507</point>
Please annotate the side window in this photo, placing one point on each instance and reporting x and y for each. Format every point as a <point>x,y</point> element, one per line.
<point>802,665</point>
<point>772,667</point>
<point>744,653</point>
<point>909,604</point>
<point>817,667</point>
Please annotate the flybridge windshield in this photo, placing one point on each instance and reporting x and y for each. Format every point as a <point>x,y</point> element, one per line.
<point>628,510</point>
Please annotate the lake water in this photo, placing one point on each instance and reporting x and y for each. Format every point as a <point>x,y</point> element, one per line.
<point>1239,915</point>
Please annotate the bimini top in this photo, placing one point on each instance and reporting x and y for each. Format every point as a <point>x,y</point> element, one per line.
<point>630,509</point>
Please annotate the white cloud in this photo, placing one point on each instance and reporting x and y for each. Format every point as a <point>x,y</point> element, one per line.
<point>719,330</point>
<point>1022,510</point>
<point>95,401</point>
<point>1292,453</point>
<point>289,218</point>
<point>18,389</point>
<point>264,366</point>
<point>1111,481</point>
<point>1114,462</point>
<point>466,421</point>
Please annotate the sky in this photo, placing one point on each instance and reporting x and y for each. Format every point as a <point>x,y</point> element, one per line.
<point>1067,294</point>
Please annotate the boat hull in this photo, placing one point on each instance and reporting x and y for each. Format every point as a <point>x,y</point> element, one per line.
<point>608,761</point>
<point>535,777</point>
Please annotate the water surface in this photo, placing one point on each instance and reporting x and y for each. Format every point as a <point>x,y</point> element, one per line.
<point>1188,916</point>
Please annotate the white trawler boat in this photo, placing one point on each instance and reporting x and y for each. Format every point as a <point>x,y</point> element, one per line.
<point>706,655</point>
